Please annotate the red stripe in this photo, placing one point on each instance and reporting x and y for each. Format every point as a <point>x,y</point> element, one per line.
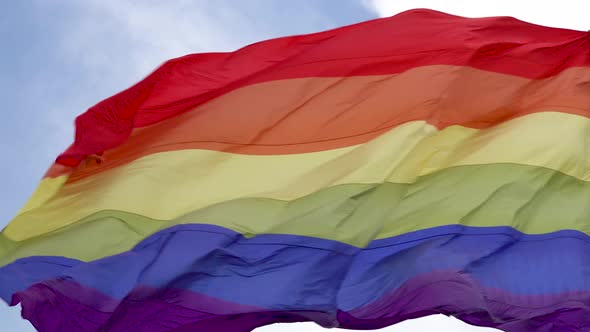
<point>385,46</point>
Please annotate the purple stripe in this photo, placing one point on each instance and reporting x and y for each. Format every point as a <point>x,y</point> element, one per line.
<point>50,309</point>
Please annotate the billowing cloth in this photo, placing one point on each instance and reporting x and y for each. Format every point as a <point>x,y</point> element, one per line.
<point>392,169</point>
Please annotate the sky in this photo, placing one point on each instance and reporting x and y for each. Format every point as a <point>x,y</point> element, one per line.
<point>59,57</point>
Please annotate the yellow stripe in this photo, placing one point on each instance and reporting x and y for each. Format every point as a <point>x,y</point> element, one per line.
<point>169,184</point>
<point>48,188</point>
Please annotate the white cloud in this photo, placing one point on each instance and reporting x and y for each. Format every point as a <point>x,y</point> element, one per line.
<point>570,14</point>
<point>438,323</point>
<point>128,39</point>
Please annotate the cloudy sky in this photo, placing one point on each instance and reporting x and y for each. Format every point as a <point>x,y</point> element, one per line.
<point>58,57</point>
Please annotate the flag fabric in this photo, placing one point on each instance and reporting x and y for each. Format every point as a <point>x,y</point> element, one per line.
<point>392,169</point>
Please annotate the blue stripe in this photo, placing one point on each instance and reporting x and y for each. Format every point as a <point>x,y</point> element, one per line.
<point>282,271</point>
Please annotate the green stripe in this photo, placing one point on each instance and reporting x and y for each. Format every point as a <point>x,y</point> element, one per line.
<point>531,199</point>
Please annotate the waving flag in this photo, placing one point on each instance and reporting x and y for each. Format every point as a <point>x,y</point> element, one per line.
<point>397,168</point>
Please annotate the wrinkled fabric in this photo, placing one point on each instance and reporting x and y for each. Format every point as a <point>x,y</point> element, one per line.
<point>397,168</point>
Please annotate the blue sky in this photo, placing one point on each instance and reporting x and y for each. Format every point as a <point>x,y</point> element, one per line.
<point>60,57</point>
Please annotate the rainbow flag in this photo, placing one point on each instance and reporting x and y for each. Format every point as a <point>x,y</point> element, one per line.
<point>392,169</point>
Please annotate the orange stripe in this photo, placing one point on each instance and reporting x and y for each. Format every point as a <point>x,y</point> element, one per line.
<point>315,114</point>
